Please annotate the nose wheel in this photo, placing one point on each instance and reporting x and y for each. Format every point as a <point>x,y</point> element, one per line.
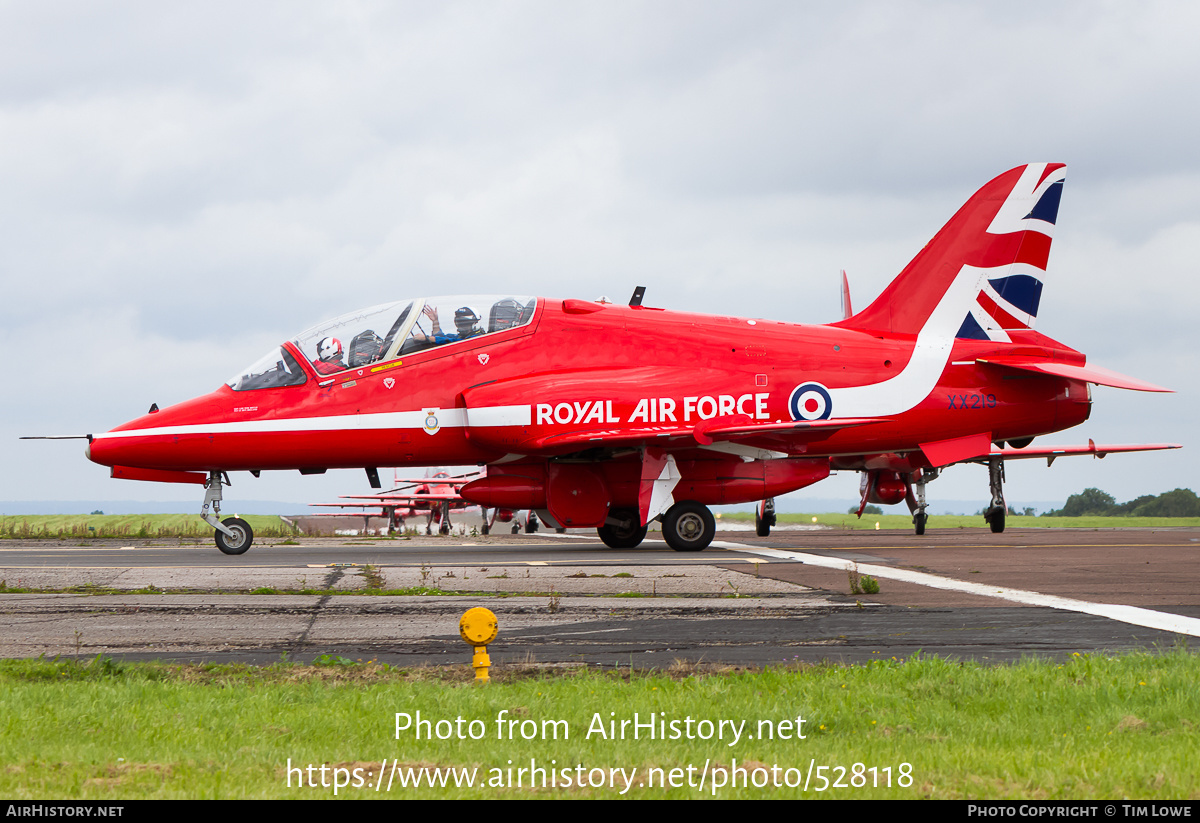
<point>239,541</point>
<point>233,535</point>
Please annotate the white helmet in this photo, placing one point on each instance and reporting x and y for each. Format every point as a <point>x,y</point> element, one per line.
<point>329,349</point>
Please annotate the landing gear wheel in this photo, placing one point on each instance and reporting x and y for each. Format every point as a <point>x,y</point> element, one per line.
<point>486,528</point>
<point>689,526</point>
<point>764,517</point>
<point>531,523</point>
<point>243,536</point>
<point>516,529</point>
<point>623,537</point>
<point>919,521</point>
<point>445,528</point>
<point>995,519</point>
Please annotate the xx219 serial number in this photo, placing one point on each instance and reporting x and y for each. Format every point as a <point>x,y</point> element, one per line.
<point>972,401</point>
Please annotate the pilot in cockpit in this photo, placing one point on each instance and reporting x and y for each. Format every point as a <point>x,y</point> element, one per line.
<point>466,323</point>
<point>329,356</point>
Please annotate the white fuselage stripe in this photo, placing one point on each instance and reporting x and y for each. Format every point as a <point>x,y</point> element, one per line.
<point>446,418</point>
<point>927,363</point>
<point>1163,621</point>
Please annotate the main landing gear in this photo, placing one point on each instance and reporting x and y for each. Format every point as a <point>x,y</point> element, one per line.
<point>687,526</point>
<point>531,523</point>
<point>233,534</point>
<point>621,530</point>
<point>764,517</point>
<point>994,515</point>
<point>916,497</point>
<point>996,512</point>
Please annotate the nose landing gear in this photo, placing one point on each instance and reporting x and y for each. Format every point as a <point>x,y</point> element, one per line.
<point>233,535</point>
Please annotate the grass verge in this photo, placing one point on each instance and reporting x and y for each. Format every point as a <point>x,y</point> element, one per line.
<point>1091,726</point>
<point>972,521</point>
<point>62,526</point>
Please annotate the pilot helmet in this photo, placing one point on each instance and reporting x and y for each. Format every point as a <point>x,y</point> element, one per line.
<point>329,349</point>
<point>505,314</point>
<point>465,319</point>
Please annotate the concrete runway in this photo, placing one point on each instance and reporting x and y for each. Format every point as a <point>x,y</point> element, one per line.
<point>570,600</point>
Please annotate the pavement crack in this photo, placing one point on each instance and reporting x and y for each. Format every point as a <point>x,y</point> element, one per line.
<point>330,582</point>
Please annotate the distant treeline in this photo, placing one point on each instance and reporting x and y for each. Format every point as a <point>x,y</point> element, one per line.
<point>1177,503</point>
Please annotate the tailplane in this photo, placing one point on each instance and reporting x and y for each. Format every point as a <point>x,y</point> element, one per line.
<point>983,271</point>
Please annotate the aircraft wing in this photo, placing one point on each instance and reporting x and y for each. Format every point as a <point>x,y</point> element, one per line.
<point>393,499</point>
<point>733,430</point>
<point>439,481</point>
<point>1052,453</point>
<point>1089,374</point>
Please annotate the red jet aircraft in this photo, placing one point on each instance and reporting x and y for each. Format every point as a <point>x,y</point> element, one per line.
<point>435,497</point>
<point>609,417</point>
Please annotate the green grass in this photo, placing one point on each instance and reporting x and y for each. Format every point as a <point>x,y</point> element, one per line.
<point>85,526</point>
<point>1089,727</point>
<point>972,521</point>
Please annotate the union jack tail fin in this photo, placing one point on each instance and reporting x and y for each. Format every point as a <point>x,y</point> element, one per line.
<point>981,275</point>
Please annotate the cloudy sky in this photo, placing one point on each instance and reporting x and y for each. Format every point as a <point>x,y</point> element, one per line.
<point>183,186</point>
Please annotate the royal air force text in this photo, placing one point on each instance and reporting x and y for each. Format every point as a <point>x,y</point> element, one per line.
<point>656,410</point>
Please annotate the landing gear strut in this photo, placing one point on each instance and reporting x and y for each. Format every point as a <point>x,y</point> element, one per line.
<point>233,535</point>
<point>996,512</point>
<point>764,517</point>
<point>689,526</point>
<point>916,498</point>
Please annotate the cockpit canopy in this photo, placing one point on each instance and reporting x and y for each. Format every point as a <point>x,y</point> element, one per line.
<point>385,332</point>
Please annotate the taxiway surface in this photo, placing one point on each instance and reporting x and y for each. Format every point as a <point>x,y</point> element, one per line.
<point>565,599</point>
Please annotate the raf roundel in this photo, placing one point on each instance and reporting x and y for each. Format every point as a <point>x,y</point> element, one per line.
<point>810,401</point>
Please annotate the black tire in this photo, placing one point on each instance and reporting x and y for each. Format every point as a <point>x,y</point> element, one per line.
<point>238,544</point>
<point>616,537</point>
<point>516,529</point>
<point>444,528</point>
<point>919,521</point>
<point>762,526</point>
<point>689,526</point>
<point>996,519</point>
<point>531,523</point>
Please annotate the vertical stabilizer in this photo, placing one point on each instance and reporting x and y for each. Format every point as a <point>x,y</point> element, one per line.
<point>993,252</point>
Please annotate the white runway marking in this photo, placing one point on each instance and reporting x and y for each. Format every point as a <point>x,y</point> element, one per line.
<point>1163,621</point>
